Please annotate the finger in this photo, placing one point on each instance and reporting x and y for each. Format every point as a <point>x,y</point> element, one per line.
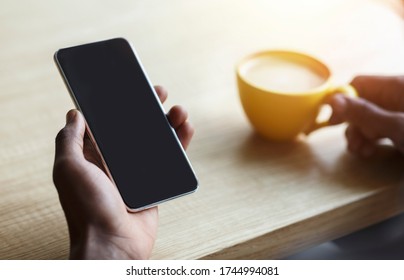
<point>357,142</point>
<point>177,116</point>
<point>69,141</point>
<point>337,104</point>
<point>185,133</point>
<point>354,139</point>
<point>161,93</point>
<point>385,91</point>
<point>373,121</point>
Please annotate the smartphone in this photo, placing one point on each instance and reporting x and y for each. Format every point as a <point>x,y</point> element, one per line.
<point>126,122</point>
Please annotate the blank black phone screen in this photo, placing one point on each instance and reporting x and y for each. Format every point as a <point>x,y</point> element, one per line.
<point>139,147</point>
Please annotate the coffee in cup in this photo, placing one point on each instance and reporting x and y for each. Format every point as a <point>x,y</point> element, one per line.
<point>282,92</point>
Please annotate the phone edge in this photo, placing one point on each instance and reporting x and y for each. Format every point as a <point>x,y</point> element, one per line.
<point>94,142</point>
<point>76,104</point>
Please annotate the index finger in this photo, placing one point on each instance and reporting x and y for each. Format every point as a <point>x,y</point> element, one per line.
<point>385,91</point>
<point>161,93</point>
<point>373,121</point>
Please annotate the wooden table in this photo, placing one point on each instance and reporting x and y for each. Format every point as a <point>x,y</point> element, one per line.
<point>256,199</point>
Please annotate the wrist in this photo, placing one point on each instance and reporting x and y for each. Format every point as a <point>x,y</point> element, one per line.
<point>95,245</point>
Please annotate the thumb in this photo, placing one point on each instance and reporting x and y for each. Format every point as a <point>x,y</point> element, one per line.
<point>69,140</point>
<point>373,121</point>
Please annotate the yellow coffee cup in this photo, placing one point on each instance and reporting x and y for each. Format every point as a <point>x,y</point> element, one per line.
<point>282,92</point>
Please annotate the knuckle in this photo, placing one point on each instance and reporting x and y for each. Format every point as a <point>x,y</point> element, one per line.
<point>62,135</point>
<point>67,137</point>
<point>64,167</point>
<point>59,170</point>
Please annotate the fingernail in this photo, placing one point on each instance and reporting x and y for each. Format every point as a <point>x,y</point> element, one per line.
<point>71,115</point>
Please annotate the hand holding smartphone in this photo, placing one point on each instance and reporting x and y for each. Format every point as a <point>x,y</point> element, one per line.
<point>126,122</point>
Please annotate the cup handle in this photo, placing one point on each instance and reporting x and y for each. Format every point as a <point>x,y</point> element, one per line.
<point>347,90</point>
